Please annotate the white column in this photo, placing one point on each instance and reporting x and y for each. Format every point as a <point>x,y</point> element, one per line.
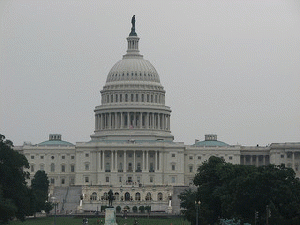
<point>155,161</point>
<point>257,159</point>
<point>116,161</point>
<point>152,124</point>
<point>96,122</point>
<point>112,160</point>
<point>134,161</point>
<point>141,120</point>
<point>128,119</point>
<point>109,120</point>
<point>293,160</point>
<point>98,162</point>
<point>158,121</point>
<point>147,161</point>
<point>125,163</point>
<point>143,166</point>
<point>160,160</point>
<point>121,120</point>
<point>147,121</point>
<point>169,124</point>
<point>103,166</point>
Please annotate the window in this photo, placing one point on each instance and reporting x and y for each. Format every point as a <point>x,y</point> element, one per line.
<point>120,179</point>
<point>173,180</point>
<point>116,97</point>
<point>87,155</point>
<point>121,98</point>
<point>63,181</point>
<point>63,168</point>
<point>199,157</point>
<point>72,168</point>
<point>191,169</point>
<point>148,197</point>
<point>137,196</point>
<point>42,167</point>
<point>142,97</point>
<point>132,97</point>
<point>151,98</point>
<point>87,166</point>
<point>147,97</point>
<point>72,157</point>
<point>137,97</point>
<point>52,167</point>
<point>173,167</point>
<point>126,98</point>
<point>52,157</point>
<point>230,157</point>
<point>32,168</point>
<point>86,179</point>
<point>93,196</point>
<point>130,155</point>
<point>282,156</point>
<point>151,155</point>
<point>63,157</point>
<point>191,157</point>
<point>173,155</point>
<point>159,196</point>
<point>42,157</point>
<point>138,179</point>
<point>107,179</point>
<point>32,157</point>
<point>151,179</point>
<point>117,196</point>
<point>111,98</point>
<point>52,181</point>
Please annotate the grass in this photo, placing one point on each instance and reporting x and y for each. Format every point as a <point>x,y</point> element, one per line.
<point>93,221</point>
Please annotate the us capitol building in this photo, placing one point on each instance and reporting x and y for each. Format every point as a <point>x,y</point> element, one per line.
<point>132,151</point>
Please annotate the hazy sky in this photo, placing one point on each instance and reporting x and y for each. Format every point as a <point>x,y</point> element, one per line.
<point>230,68</point>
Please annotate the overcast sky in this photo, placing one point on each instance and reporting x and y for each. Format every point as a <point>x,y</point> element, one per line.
<point>230,68</point>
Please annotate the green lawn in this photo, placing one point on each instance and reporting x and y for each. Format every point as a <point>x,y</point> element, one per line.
<point>93,221</point>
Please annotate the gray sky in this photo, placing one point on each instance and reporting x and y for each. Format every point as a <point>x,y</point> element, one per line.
<point>229,68</point>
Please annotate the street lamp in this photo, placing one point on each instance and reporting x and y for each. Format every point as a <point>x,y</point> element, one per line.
<point>55,203</point>
<point>197,209</point>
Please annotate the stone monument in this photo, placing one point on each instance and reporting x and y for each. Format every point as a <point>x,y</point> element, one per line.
<point>110,216</point>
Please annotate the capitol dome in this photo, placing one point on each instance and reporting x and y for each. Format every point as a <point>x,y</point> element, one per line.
<point>132,101</point>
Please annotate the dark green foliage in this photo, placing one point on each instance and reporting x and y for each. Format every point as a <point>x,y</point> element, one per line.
<point>148,208</point>
<point>134,209</point>
<point>236,192</point>
<point>118,209</point>
<point>40,186</point>
<point>16,199</point>
<point>142,209</point>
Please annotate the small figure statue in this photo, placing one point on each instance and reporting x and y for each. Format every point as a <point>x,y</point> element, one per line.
<point>110,197</point>
<point>132,33</point>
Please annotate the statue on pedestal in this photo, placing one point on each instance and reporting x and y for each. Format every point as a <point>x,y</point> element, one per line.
<point>110,197</point>
<point>132,33</point>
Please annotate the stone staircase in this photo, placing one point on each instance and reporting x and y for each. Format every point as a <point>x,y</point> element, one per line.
<point>68,198</point>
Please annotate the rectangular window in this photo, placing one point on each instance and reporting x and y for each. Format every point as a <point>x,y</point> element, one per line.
<point>173,155</point>
<point>173,180</point>
<point>120,97</point>
<point>87,166</point>
<point>72,168</point>
<point>173,167</point>
<point>86,179</point>
<point>87,155</point>
<point>63,157</point>
<point>199,157</point>
<point>191,169</point>
<point>72,157</point>
<point>52,181</point>
<point>151,179</point>
<point>32,157</point>
<point>32,168</point>
<point>132,97</point>
<point>191,157</point>
<point>120,179</point>
<point>282,156</point>
<point>42,157</point>
<point>136,97</point>
<point>62,181</point>
<point>63,168</point>
<point>116,97</point>
<point>107,179</point>
<point>230,157</point>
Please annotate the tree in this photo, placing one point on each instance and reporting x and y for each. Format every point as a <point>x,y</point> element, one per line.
<point>240,192</point>
<point>40,187</point>
<point>16,199</point>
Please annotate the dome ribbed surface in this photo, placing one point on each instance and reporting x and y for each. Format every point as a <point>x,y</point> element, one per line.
<point>133,69</point>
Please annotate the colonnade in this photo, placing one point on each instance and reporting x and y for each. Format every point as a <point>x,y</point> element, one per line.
<point>132,120</point>
<point>256,160</point>
<point>127,161</point>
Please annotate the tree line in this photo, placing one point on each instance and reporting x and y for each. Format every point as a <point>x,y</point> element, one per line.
<point>245,194</point>
<point>17,198</point>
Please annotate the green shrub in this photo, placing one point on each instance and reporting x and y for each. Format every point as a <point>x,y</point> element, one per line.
<point>103,207</point>
<point>127,208</point>
<point>134,209</point>
<point>142,209</point>
<point>148,208</point>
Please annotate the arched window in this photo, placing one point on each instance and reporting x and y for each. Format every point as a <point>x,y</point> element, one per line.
<point>137,196</point>
<point>117,196</point>
<point>105,196</point>
<point>127,196</point>
<point>93,196</point>
<point>52,167</point>
<point>148,197</point>
<point>63,168</point>
<point>159,196</point>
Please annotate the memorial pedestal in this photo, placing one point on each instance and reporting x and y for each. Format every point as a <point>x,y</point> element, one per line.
<point>110,216</point>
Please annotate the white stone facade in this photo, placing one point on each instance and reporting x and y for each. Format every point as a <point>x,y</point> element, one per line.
<point>132,150</point>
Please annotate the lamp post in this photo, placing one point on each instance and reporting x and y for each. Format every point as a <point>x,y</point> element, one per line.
<point>197,209</point>
<point>55,203</point>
